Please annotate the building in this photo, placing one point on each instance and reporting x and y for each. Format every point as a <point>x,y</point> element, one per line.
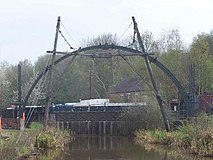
<point>206,103</point>
<point>130,90</point>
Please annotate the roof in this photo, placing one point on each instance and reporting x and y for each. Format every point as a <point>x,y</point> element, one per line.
<point>129,85</point>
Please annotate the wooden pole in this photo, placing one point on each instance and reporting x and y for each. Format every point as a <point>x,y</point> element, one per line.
<point>0,125</point>
<point>154,85</point>
<point>49,88</point>
<point>23,116</point>
<point>19,86</point>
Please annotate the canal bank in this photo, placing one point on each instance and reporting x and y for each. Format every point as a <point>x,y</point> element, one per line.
<point>195,137</point>
<point>16,144</point>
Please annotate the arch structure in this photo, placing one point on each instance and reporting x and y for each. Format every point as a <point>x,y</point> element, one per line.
<point>111,48</point>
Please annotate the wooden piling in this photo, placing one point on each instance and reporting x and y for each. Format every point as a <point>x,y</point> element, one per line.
<point>23,116</point>
<point>111,128</point>
<point>104,127</point>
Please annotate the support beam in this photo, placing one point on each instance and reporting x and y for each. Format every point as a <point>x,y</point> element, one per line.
<point>19,84</point>
<point>49,88</point>
<point>154,85</point>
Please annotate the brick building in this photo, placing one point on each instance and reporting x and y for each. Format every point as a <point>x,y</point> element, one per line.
<point>128,91</point>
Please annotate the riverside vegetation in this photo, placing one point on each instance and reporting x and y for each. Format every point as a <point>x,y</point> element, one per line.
<point>194,137</point>
<point>32,142</point>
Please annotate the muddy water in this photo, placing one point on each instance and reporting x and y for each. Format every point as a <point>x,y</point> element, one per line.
<point>114,148</point>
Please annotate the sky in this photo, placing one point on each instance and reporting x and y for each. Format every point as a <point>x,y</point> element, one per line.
<point>27,27</point>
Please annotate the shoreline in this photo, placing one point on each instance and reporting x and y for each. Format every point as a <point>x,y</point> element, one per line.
<point>32,142</point>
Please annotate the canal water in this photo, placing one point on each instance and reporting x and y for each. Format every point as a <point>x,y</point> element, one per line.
<point>114,148</point>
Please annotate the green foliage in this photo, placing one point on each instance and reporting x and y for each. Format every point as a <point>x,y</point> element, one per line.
<point>160,136</point>
<point>144,118</point>
<point>8,143</point>
<point>35,127</point>
<point>194,137</point>
<point>8,81</point>
<point>8,151</point>
<point>52,138</point>
<point>46,141</point>
<point>201,56</point>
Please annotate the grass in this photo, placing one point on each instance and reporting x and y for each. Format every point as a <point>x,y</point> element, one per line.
<point>195,137</point>
<point>28,142</point>
<point>9,143</point>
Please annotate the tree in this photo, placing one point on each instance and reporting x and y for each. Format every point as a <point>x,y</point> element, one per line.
<point>171,53</point>
<point>170,40</point>
<point>201,55</point>
<point>103,69</point>
<point>5,87</point>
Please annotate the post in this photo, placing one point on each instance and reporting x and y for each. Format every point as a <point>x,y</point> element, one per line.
<point>192,92</point>
<point>23,116</point>
<point>19,83</point>
<point>49,88</point>
<point>111,127</point>
<point>104,127</point>
<point>0,124</point>
<point>90,84</point>
<point>88,127</point>
<point>19,101</point>
<point>154,85</point>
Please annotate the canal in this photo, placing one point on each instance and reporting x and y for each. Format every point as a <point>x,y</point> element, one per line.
<point>114,148</point>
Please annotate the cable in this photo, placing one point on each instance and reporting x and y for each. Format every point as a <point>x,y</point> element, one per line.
<point>125,31</point>
<point>35,100</point>
<point>69,35</point>
<point>134,69</point>
<point>65,40</point>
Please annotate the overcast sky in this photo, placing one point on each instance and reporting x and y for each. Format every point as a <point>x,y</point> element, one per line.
<point>27,27</point>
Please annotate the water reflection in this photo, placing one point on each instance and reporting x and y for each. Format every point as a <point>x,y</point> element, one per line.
<point>107,148</point>
<point>114,148</point>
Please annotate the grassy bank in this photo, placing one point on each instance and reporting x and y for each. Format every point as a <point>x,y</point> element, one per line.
<point>14,143</point>
<point>195,137</point>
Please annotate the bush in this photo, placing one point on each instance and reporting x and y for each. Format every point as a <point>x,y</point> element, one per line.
<point>45,141</point>
<point>143,118</point>
<point>51,139</point>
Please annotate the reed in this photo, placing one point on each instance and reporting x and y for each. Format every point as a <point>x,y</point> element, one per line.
<point>194,137</point>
